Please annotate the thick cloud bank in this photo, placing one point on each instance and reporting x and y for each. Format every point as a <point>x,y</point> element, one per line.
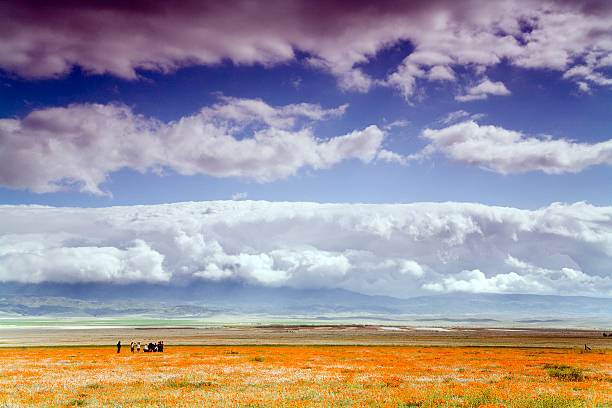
<point>77,146</point>
<point>507,151</point>
<point>400,249</point>
<point>44,39</point>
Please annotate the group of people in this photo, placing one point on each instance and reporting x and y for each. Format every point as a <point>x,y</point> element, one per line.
<point>146,348</point>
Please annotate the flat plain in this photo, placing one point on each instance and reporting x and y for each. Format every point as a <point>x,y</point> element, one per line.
<point>74,335</point>
<point>299,366</point>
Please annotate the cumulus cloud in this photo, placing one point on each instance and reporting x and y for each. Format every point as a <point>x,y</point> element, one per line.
<point>396,249</point>
<point>392,157</point>
<point>239,196</point>
<point>507,151</point>
<point>46,39</point>
<point>568,37</point>
<point>80,263</point>
<point>483,90</point>
<point>78,146</point>
<point>524,278</point>
<point>477,282</point>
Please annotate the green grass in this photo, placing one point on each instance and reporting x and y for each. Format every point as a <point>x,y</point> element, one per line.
<point>94,386</point>
<point>564,372</point>
<point>479,398</point>
<point>184,383</point>
<point>76,403</point>
<point>485,397</point>
<point>551,401</point>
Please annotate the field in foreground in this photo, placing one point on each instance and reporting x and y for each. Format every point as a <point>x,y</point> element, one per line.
<point>296,376</point>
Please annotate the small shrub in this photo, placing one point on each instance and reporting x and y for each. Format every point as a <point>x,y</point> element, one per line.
<point>552,401</point>
<point>483,397</point>
<point>409,404</point>
<point>564,372</point>
<point>257,358</point>
<point>76,403</point>
<point>188,384</point>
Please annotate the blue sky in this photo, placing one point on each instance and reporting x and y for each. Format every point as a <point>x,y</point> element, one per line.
<point>540,103</point>
<point>500,104</point>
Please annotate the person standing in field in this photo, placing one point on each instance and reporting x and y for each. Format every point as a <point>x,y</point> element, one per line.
<point>138,348</point>
<point>132,347</point>
<point>119,346</point>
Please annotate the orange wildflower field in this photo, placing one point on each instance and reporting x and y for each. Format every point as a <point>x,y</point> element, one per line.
<point>306,376</point>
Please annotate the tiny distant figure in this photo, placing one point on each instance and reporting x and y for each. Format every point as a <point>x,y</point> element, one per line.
<point>138,347</point>
<point>605,335</point>
<point>132,347</point>
<point>586,347</point>
<point>161,346</point>
<point>119,346</point>
<point>146,349</point>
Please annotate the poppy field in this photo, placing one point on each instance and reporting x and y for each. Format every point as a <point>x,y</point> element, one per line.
<point>306,376</point>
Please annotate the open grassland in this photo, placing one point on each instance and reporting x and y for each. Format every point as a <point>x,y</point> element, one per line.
<point>72,335</point>
<point>313,376</point>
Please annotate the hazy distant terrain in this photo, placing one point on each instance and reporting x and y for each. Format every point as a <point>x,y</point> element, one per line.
<point>230,302</point>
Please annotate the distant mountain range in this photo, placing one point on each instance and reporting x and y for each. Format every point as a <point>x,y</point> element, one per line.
<point>207,300</point>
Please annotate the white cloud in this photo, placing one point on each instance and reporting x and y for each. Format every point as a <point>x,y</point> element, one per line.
<point>583,73</point>
<point>584,87</point>
<point>477,282</point>
<point>243,111</point>
<point>239,196</point>
<point>524,278</point>
<point>483,90</point>
<point>441,73</point>
<point>78,146</point>
<point>394,249</point>
<point>454,116</point>
<point>84,263</point>
<point>41,40</point>
<point>392,157</point>
<point>507,151</point>
<point>405,78</point>
<point>397,123</point>
<point>527,34</point>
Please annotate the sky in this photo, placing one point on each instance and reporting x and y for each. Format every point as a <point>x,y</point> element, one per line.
<point>392,147</point>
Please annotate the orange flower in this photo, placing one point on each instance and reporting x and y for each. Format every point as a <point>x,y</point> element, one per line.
<point>300,377</point>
